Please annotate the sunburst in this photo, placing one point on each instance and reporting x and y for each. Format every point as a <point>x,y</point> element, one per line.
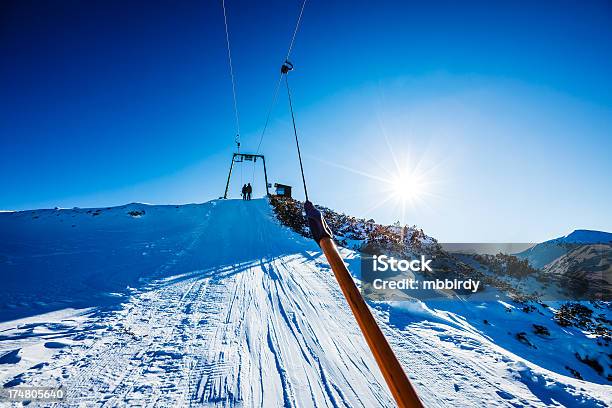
<point>405,184</point>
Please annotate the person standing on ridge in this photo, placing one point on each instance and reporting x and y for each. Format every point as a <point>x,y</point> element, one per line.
<point>244,192</point>
<point>249,190</point>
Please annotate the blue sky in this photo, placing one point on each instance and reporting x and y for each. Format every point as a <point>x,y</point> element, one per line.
<point>503,113</point>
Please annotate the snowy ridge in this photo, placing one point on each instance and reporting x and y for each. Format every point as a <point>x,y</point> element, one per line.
<point>544,253</point>
<point>220,305</point>
<point>587,237</point>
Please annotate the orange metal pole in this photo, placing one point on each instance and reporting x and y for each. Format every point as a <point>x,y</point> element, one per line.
<point>402,390</point>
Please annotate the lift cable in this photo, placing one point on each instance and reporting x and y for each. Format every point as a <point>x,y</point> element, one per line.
<point>288,66</point>
<point>280,77</point>
<point>278,83</point>
<point>231,67</point>
<point>297,26</point>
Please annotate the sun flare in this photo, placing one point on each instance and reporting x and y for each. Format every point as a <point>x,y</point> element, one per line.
<point>407,187</point>
<point>406,181</point>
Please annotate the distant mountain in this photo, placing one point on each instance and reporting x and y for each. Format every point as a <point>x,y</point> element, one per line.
<point>584,271</point>
<point>587,237</point>
<point>579,263</point>
<point>546,252</point>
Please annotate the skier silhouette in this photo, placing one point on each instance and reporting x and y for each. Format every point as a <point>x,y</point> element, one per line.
<point>249,190</point>
<point>244,192</point>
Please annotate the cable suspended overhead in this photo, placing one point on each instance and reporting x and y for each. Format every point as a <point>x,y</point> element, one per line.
<point>231,67</point>
<point>280,77</point>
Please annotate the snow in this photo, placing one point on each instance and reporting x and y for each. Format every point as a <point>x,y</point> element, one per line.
<point>218,304</point>
<point>588,237</point>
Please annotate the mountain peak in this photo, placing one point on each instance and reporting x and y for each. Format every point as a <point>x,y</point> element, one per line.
<point>584,236</point>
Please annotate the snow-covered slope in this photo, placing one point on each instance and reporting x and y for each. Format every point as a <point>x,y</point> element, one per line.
<point>218,304</point>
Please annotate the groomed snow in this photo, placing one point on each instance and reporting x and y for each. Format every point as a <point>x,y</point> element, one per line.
<point>219,305</point>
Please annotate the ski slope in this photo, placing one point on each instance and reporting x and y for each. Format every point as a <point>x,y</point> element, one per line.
<point>219,305</point>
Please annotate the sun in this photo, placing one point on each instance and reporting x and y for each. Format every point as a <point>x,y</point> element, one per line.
<point>407,187</point>
<point>406,181</point>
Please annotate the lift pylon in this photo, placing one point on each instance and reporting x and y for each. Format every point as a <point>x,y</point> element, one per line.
<point>242,157</point>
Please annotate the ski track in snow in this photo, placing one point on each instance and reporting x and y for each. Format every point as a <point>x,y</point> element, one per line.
<point>269,328</point>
